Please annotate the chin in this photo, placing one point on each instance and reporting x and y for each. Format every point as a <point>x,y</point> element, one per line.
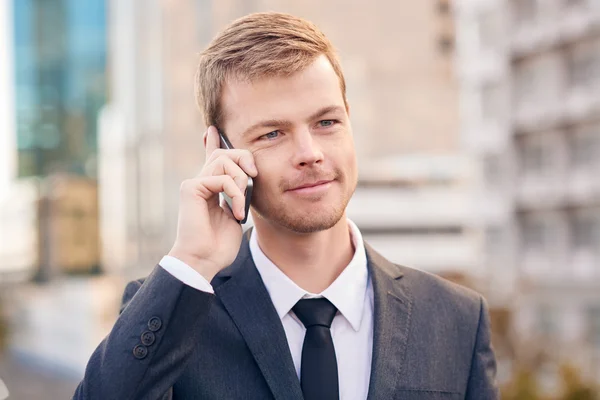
<point>311,223</point>
<point>303,221</point>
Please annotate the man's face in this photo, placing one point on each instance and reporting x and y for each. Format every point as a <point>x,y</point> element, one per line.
<point>298,130</point>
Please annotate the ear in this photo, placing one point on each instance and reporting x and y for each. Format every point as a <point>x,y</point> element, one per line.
<point>204,137</point>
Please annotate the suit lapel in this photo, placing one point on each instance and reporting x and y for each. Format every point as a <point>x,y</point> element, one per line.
<point>245,297</point>
<point>392,312</point>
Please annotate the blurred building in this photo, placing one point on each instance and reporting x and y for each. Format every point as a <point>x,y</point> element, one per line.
<point>530,74</point>
<point>150,132</point>
<point>54,74</point>
<point>7,99</point>
<point>53,79</point>
<point>59,71</point>
<point>415,210</point>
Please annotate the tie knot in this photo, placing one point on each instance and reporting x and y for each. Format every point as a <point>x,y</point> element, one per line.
<point>315,312</point>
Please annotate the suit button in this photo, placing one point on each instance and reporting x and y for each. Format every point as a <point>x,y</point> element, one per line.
<point>140,351</point>
<point>154,324</point>
<point>148,338</point>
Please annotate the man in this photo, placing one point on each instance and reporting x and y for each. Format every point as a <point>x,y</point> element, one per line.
<point>299,306</point>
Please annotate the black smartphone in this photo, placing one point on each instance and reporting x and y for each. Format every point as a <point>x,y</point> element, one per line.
<point>226,144</point>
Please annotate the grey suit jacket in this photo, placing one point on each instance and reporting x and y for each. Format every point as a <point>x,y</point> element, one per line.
<point>431,340</point>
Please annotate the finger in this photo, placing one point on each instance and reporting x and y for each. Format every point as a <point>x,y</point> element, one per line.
<point>212,141</point>
<point>226,166</point>
<point>206,187</point>
<point>243,158</point>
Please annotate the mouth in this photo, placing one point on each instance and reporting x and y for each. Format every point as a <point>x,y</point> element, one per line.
<point>311,185</point>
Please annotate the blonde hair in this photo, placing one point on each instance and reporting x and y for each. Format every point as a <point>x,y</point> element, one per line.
<point>259,45</point>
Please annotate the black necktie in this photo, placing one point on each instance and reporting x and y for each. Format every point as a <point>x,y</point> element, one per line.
<point>318,371</point>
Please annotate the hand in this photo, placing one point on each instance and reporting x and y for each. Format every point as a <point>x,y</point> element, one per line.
<point>208,234</point>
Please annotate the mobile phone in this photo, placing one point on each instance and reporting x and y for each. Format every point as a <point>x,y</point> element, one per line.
<point>226,144</point>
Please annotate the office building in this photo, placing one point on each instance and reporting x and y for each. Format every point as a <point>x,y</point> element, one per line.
<point>529,75</point>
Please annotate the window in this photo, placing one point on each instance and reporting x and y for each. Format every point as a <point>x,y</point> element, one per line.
<point>534,159</point>
<point>492,170</point>
<point>542,232</point>
<point>586,230</point>
<point>445,39</point>
<point>445,44</point>
<point>547,323</point>
<point>443,7</point>
<point>534,235</point>
<point>527,82</point>
<point>583,65</point>
<point>581,69</point>
<point>593,313</point>
<point>535,156</point>
<point>585,147</point>
<point>495,242</point>
<point>542,155</point>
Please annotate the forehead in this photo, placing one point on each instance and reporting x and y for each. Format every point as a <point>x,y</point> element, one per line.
<point>292,98</point>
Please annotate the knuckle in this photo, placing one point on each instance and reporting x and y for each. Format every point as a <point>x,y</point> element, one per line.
<point>229,180</point>
<point>184,187</point>
<point>223,159</point>
<point>188,187</point>
<point>216,153</point>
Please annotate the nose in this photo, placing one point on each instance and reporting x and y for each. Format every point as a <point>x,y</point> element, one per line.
<point>307,150</point>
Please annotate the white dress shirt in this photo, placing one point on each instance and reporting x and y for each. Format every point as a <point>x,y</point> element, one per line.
<point>351,293</point>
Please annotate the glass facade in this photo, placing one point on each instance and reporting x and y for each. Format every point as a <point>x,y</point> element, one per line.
<point>60,76</point>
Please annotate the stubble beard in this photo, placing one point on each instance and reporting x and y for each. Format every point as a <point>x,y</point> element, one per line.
<point>305,221</point>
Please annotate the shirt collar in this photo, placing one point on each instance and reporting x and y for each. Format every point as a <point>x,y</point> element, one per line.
<point>347,292</point>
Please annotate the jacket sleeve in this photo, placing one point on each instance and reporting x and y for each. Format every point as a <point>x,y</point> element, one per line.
<point>150,343</point>
<point>482,379</point>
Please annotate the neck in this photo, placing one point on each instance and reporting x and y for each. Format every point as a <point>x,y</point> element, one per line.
<point>312,260</point>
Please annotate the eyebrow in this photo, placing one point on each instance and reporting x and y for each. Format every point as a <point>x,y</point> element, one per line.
<point>273,123</point>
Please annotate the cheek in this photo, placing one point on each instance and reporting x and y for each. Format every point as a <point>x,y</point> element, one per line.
<point>269,171</point>
<point>346,155</point>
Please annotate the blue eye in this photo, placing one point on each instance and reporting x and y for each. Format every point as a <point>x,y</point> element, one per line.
<point>326,123</point>
<point>271,135</point>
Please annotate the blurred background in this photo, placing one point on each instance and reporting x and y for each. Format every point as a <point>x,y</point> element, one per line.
<point>477,128</point>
